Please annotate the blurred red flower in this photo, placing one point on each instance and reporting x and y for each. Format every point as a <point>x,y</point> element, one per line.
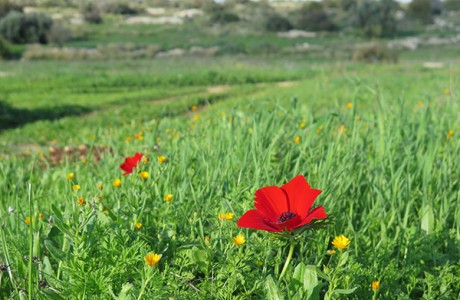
<point>283,208</point>
<point>130,163</point>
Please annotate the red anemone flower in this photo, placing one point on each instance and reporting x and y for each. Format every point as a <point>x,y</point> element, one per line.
<point>283,208</point>
<point>130,163</point>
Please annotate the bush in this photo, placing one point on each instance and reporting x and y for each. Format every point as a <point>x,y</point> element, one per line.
<point>59,34</point>
<point>373,18</point>
<point>5,50</point>
<point>421,10</point>
<point>6,6</point>
<point>276,22</point>
<point>91,13</point>
<point>452,5</point>
<point>20,28</point>
<point>375,53</point>
<point>220,13</point>
<point>121,8</point>
<point>313,16</point>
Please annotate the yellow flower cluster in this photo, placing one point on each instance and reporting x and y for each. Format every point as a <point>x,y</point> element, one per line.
<point>226,216</point>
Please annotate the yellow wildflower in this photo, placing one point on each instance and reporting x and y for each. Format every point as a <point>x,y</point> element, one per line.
<point>226,216</point>
<point>76,187</point>
<point>375,285</point>
<point>239,240</point>
<point>152,259</point>
<point>70,176</point>
<point>297,139</point>
<point>420,104</point>
<point>331,252</point>
<point>28,220</point>
<point>139,136</point>
<point>349,105</point>
<point>161,159</point>
<point>138,226</point>
<point>144,175</point>
<point>168,197</point>
<point>116,183</point>
<point>128,139</point>
<point>342,129</point>
<point>229,216</point>
<point>450,134</point>
<point>302,124</point>
<point>196,118</point>
<point>207,239</point>
<point>146,159</point>
<point>81,201</point>
<point>446,91</point>
<point>194,108</point>
<point>40,216</point>
<point>341,242</point>
<point>100,186</point>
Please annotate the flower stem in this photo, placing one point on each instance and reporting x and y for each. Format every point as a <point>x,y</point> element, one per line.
<point>288,259</point>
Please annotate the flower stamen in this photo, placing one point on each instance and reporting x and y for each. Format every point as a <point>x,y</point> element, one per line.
<point>286,216</point>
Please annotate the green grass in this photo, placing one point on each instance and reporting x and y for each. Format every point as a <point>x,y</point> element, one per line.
<point>389,175</point>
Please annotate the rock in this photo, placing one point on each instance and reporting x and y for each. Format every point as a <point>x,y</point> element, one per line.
<point>295,34</point>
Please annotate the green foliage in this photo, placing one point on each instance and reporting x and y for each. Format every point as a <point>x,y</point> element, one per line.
<point>314,17</point>
<point>386,165</point>
<point>6,6</point>
<point>221,13</point>
<point>5,50</point>
<point>373,18</point>
<point>452,5</point>
<point>25,28</point>
<point>91,13</point>
<point>276,22</point>
<point>421,11</point>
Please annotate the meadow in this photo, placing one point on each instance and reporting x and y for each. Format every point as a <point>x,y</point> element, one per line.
<point>380,141</point>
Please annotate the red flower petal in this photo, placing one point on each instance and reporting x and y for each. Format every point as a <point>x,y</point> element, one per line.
<point>271,201</point>
<point>315,214</point>
<point>253,219</point>
<point>301,195</point>
<point>130,163</point>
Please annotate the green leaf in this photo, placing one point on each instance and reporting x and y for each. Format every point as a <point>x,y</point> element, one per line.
<point>343,259</point>
<point>273,292</point>
<point>54,251</point>
<point>427,223</point>
<point>345,292</point>
<point>308,278</point>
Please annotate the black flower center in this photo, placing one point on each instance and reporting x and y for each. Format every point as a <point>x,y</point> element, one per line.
<point>285,216</point>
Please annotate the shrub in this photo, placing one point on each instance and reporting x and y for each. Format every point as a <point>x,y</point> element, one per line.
<point>91,13</point>
<point>121,8</point>
<point>421,10</point>
<point>313,16</point>
<point>5,50</point>
<point>59,34</point>
<point>21,28</point>
<point>6,6</point>
<point>220,13</point>
<point>276,22</point>
<point>375,53</point>
<point>373,18</point>
<point>452,5</point>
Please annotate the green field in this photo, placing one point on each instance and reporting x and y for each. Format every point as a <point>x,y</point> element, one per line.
<point>388,168</point>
